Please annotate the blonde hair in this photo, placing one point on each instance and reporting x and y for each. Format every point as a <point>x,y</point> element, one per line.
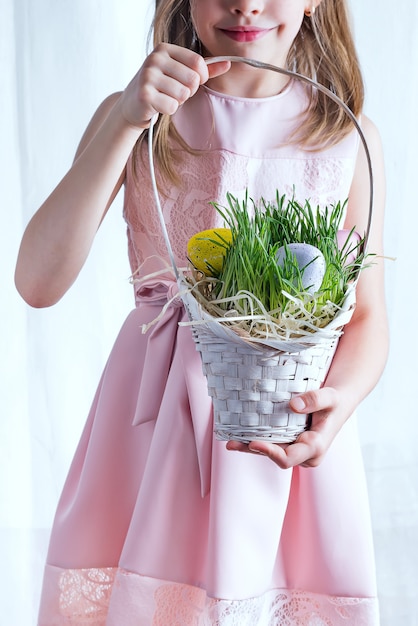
<point>323,50</point>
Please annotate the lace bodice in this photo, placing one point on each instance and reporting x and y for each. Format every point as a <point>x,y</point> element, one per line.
<point>243,144</point>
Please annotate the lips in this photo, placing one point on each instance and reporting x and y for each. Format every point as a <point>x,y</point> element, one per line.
<point>245,34</point>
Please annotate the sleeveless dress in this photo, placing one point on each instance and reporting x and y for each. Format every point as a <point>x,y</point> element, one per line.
<point>158,524</point>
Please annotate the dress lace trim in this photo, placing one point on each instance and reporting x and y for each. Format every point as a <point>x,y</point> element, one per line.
<point>99,596</point>
<point>84,594</point>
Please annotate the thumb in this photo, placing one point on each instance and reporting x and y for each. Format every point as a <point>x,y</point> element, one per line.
<point>218,68</point>
<point>299,404</point>
<point>314,400</point>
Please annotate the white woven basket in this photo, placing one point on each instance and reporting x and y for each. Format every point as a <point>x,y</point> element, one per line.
<point>251,381</point>
<point>251,389</point>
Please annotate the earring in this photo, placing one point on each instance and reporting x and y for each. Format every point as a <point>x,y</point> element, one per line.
<point>310,13</point>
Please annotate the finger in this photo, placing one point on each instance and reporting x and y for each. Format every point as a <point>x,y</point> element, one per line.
<point>164,89</point>
<point>176,80</point>
<point>315,400</point>
<point>189,60</point>
<point>182,65</point>
<point>275,452</point>
<point>237,445</point>
<point>286,455</point>
<point>216,69</point>
<point>169,94</point>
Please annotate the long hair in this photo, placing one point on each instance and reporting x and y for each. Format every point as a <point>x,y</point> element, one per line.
<point>323,50</point>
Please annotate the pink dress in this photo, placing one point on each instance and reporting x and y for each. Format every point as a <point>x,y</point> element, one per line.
<point>158,524</point>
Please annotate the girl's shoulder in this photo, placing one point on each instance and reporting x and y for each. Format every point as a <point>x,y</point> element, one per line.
<point>371,132</point>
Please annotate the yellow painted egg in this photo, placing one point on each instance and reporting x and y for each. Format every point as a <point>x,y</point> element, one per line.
<point>206,250</point>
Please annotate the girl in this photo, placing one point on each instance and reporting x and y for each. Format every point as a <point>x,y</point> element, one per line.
<point>158,523</point>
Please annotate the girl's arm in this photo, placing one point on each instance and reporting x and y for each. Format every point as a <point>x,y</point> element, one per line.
<point>58,238</point>
<point>362,350</point>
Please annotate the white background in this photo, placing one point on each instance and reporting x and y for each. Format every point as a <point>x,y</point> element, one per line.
<point>58,60</point>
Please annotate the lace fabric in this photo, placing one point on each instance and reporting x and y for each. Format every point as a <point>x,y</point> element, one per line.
<point>179,605</point>
<point>84,595</point>
<point>87,596</point>
<point>210,177</point>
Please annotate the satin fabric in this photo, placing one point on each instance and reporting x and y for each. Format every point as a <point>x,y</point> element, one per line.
<point>153,452</point>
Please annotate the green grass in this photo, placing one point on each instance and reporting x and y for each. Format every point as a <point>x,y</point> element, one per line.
<point>250,266</point>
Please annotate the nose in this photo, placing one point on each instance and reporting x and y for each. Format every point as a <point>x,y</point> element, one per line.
<point>246,7</point>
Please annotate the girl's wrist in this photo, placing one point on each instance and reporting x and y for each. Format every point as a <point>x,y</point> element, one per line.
<point>125,126</point>
<point>137,126</point>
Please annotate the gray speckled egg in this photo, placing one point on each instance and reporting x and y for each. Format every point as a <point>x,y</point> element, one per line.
<point>311,263</point>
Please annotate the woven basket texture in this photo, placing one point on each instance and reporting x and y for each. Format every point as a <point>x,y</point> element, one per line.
<point>251,384</point>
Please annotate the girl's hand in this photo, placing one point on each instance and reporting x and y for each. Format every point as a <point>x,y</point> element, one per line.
<point>310,447</point>
<point>169,76</point>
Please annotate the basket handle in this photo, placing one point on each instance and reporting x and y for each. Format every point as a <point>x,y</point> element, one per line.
<point>279,70</point>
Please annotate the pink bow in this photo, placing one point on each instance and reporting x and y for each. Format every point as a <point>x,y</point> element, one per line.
<point>175,379</point>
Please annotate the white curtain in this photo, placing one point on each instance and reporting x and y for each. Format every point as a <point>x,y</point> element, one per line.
<point>58,60</point>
